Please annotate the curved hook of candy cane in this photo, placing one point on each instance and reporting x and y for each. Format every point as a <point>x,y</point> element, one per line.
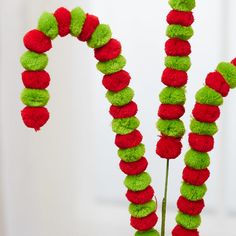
<point>201,141</point>
<point>111,63</point>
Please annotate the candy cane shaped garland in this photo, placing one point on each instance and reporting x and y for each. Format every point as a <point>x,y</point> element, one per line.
<point>111,63</point>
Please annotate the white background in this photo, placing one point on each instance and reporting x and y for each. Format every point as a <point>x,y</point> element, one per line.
<point>65,180</point>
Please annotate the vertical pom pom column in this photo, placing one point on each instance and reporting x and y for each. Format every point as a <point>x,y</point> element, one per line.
<point>116,80</point>
<point>203,127</point>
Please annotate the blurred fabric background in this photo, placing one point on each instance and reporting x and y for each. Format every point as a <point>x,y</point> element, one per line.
<point>65,180</point>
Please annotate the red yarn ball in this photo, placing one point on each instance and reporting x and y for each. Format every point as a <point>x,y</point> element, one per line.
<point>63,17</point>
<point>37,41</point>
<point>206,113</point>
<point>35,79</point>
<point>109,51</point>
<point>144,224</point>
<point>201,143</point>
<point>35,117</point>
<point>140,197</point>
<point>177,47</point>
<point>174,78</point>
<point>168,147</point>
<point>180,18</point>
<point>217,82</point>
<point>134,168</point>
<point>130,140</point>
<point>125,111</point>
<point>233,62</point>
<point>117,81</point>
<point>170,112</point>
<point>180,231</point>
<point>190,207</point>
<point>89,27</point>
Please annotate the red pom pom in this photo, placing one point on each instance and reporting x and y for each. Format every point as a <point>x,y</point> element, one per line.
<point>170,112</point>
<point>128,140</point>
<point>36,79</point>
<point>177,47</point>
<point>201,143</point>
<point>190,207</point>
<point>180,231</point>
<point>168,147</point>
<point>206,113</point>
<point>144,224</point>
<point>37,41</point>
<point>217,82</point>
<point>109,51</point>
<point>134,168</point>
<point>195,177</point>
<point>180,18</point>
<point>35,117</point>
<point>233,62</point>
<point>89,27</point>
<point>174,78</point>
<point>117,81</point>
<point>63,17</point>
<point>126,111</point>
<point>140,197</point>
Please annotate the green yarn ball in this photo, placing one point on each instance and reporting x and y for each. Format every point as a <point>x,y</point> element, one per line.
<point>203,128</point>
<point>197,160</point>
<point>209,96</point>
<point>125,125</point>
<point>100,37</point>
<point>228,71</point>
<point>35,97</point>
<point>179,31</point>
<point>182,5</point>
<point>132,154</point>
<point>78,18</point>
<point>142,210</point>
<point>151,232</point>
<point>120,98</point>
<point>48,25</point>
<point>178,63</point>
<point>112,66</point>
<point>171,95</point>
<point>172,128</point>
<point>192,192</point>
<point>188,221</point>
<point>137,182</point>
<point>33,61</point>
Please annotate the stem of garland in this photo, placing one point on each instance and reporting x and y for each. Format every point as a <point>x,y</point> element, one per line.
<point>164,201</point>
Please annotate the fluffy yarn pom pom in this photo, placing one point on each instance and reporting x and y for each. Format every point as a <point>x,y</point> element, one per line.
<point>174,78</point>
<point>182,5</point>
<point>193,193</point>
<point>134,168</point>
<point>180,18</point>
<point>180,231</point>
<point>78,17</point>
<point>151,232</point>
<point>175,96</point>
<point>179,31</point>
<point>36,79</point>
<point>177,47</point>
<point>203,127</point>
<point>178,63</point>
<point>142,210</point>
<point>201,143</point>
<point>132,154</point>
<point>125,111</point>
<point>63,17</point>
<point>188,221</point>
<point>125,125</point>
<point>144,224</point>
<point>170,112</point>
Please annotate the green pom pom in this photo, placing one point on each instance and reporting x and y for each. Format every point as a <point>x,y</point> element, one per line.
<point>120,98</point>
<point>125,125</point>
<point>33,61</point>
<point>203,128</point>
<point>100,37</point>
<point>142,210</point>
<point>192,192</point>
<point>179,31</point>
<point>182,5</point>
<point>78,18</point>
<point>171,95</point>
<point>178,63</point>
<point>137,182</point>
<point>172,128</point>
<point>228,71</point>
<point>209,96</point>
<point>197,160</point>
<point>132,154</point>
<point>188,221</point>
<point>151,232</point>
<point>112,66</point>
<point>35,97</point>
<point>48,25</point>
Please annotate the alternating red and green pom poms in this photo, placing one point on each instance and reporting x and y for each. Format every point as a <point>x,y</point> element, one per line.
<point>201,141</point>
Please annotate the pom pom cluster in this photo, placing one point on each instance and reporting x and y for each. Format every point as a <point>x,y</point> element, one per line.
<point>177,63</point>
<point>116,80</point>
<point>201,141</point>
